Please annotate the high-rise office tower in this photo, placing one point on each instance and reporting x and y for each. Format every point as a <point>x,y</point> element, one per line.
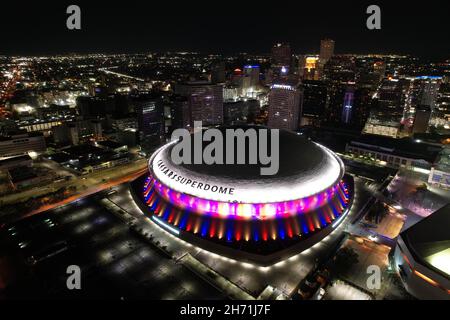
<point>231,92</point>
<point>441,111</point>
<point>95,107</point>
<point>387,112</point>
<point>218,72</point>
<point>335,101</point>
<point>379,68</point>
<point>308,68</point>
<point>179,112</point>
<point>121,106</point>
<point>250,81</point>
<point>236,77</point>
<point>420,91</point>
<point>252,73</point>
<point>326,50</point>
<point>428,92</point>
<point>421,119</point>
<point>301,66</point>
<point>348,105</point>
<point>369,72</point>
<point>150,119</point>
<point>314,102</point>
<point>391,99</point>
<point>285,101</point>
<point>205,101</point>
<point>96,128</point>
<point>362,102</point>
<point>242,111</point>
<point>281,55</point>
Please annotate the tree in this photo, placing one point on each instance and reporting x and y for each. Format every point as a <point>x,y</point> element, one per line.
<point>423,187</point>
<point>377,212</point>
<point>344,259</point>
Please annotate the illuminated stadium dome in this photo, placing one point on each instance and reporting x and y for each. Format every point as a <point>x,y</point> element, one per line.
<point>233,210</point>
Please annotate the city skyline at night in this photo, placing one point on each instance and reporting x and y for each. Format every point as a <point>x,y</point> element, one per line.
<point>242,156</point>
<point>236,27</point>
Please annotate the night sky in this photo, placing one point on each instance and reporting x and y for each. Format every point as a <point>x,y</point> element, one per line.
<point>39,27</point>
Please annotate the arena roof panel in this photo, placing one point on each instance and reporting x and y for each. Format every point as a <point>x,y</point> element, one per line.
<point>429,240</point>
<point>305,169</point>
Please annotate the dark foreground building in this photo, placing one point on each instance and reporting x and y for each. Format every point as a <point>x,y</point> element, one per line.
<point>422,256</point>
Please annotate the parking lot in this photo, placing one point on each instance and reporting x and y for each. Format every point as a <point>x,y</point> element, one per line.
<point>114,262</point>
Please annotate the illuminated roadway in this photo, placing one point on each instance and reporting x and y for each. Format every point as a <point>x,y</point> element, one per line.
<point>8,91</point>
<point>120,75</point>
<point>86,185</point>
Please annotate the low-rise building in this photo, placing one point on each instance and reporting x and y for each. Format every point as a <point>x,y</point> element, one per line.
<point>21,143</point>
<point>14,162</point>
<point>88,158</point>
<point>395,153</point>
<point>22,177</point>
<point>422,257</point>
<point>440,172</point>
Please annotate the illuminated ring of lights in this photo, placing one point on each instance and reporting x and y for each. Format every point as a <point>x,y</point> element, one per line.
<point>302,224</point>
<point>326,174</point>
<point>234,210</point>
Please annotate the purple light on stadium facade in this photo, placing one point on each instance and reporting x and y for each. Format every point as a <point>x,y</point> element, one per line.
<point>242,210</point>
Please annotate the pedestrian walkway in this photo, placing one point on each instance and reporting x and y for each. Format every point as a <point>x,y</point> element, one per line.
<point>117,211</point>
<point>215,279</point>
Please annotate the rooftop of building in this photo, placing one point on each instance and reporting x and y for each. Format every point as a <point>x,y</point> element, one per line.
<point>22,173</point>
<point>110,144</point>
<point>404,147</point>
<point>82,150</point>
<point>8,161</point>
<point>443,163</point>
<point>21,133</point>
<point>285,83</point>
<point>429,241</point>
<point>85,155</point>
<point>59,157</point>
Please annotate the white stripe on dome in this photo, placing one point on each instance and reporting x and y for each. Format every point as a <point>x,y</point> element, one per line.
<point>330,171</point>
